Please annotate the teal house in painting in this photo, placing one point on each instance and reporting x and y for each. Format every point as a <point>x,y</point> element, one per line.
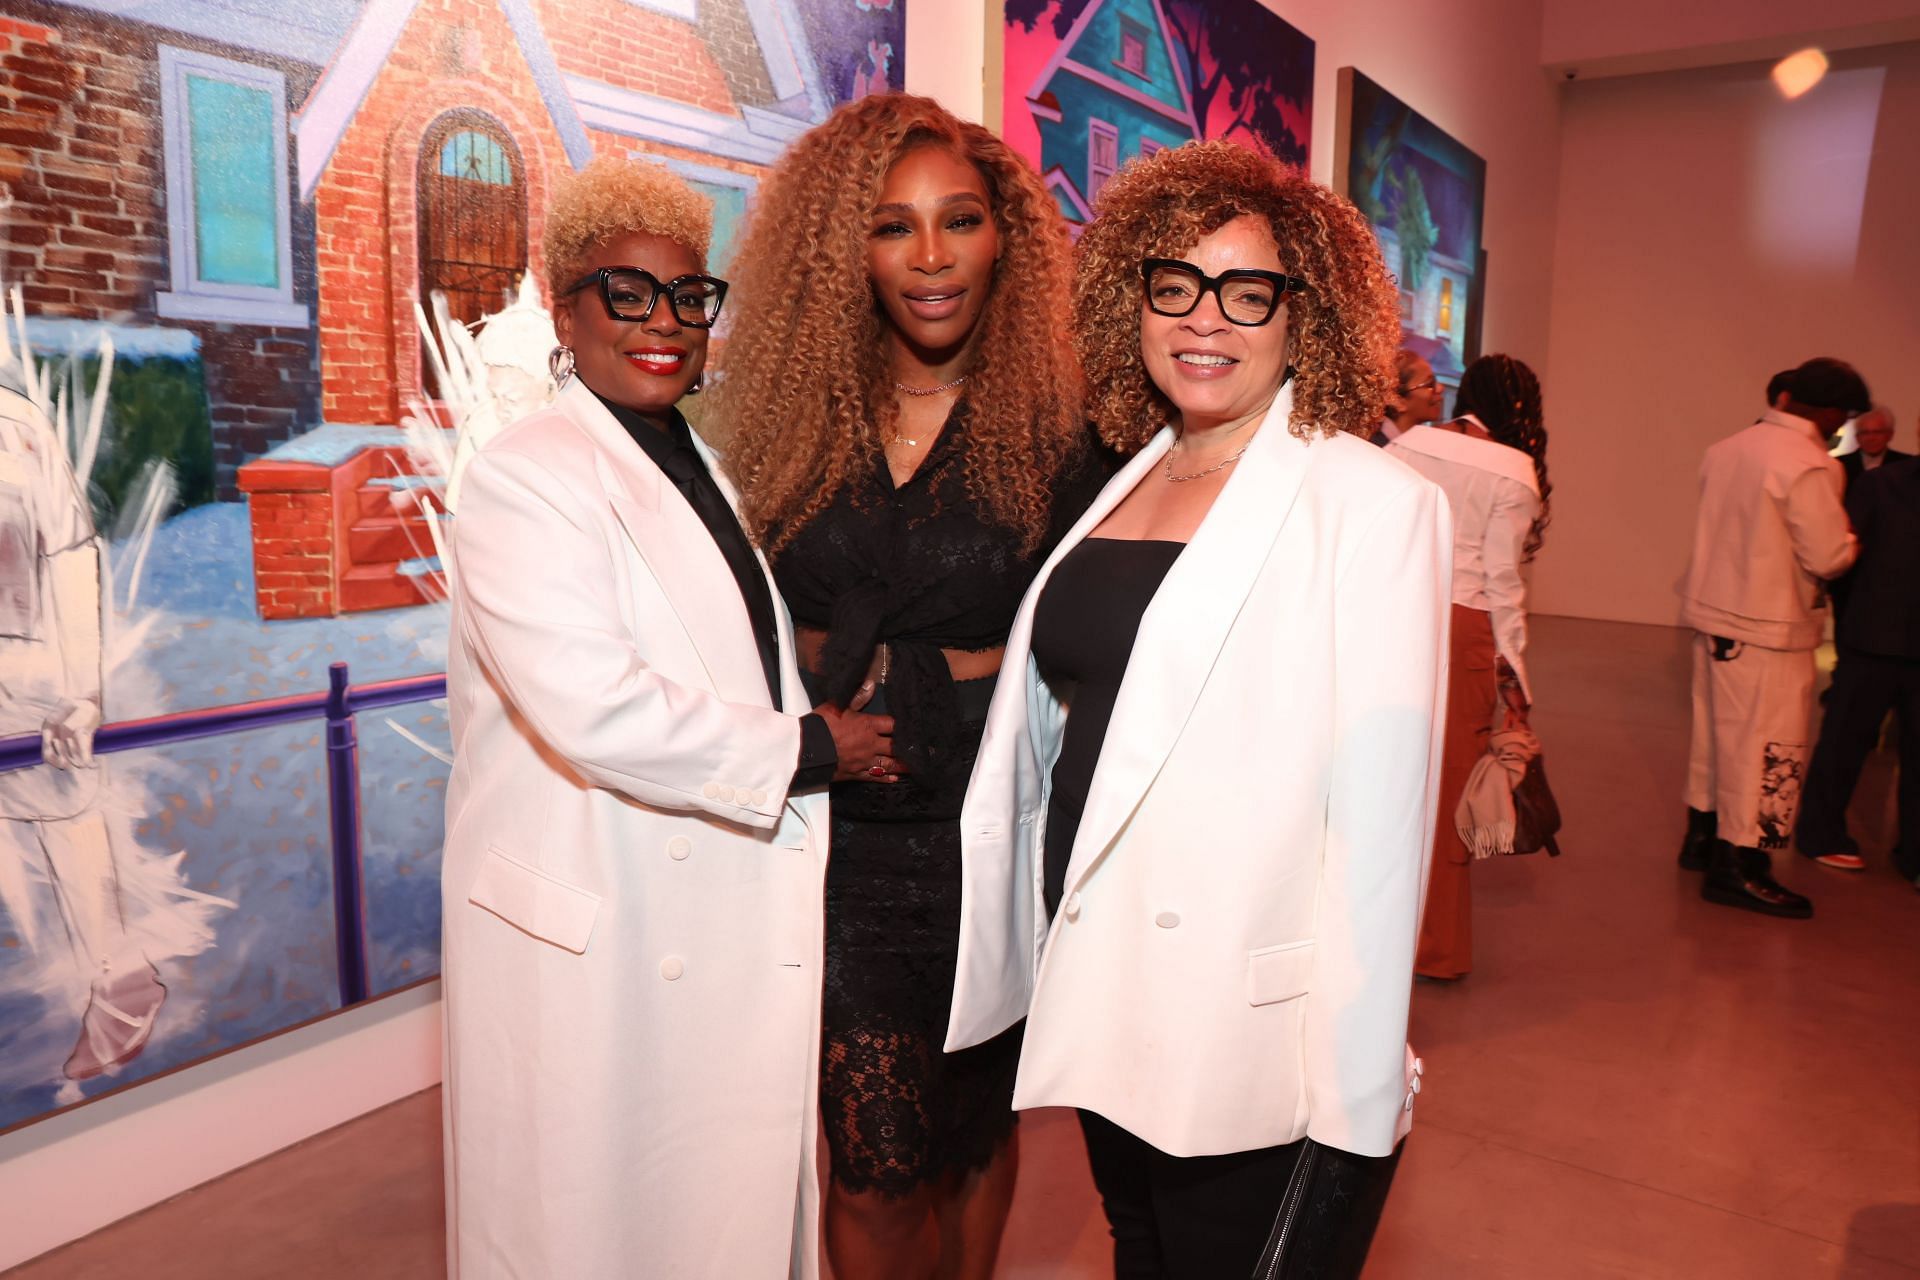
<point>1114,88</point>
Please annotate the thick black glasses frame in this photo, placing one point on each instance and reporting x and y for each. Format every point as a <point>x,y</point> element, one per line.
<point>1282,286</point>
<point>604,276</point>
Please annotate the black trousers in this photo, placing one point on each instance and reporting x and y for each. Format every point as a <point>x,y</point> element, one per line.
<point>1865,688</point>
<point>1211,1217</point>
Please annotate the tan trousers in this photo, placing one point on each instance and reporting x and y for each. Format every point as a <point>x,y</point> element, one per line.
<point>1752,734</point>
<point>1446,925</point>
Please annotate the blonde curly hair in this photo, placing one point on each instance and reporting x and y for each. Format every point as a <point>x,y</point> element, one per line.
<point>1342,331</point>
<point>805,398</point>
<point>611,197</point>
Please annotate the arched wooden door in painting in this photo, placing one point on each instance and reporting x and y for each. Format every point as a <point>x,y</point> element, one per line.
<point>473,214</point>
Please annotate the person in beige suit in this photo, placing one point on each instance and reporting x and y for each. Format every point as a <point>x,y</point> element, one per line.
<point>1770,532</point>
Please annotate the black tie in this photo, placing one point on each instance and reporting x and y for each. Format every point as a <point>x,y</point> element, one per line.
<point>684,467</point>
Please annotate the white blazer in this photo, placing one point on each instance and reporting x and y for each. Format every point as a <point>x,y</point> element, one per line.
<point>632,902</point>
<point>1232,960</point>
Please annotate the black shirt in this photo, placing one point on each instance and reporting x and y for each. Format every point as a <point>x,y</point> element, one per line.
<point>672,450</point>
<point>920,567</point>
<point>1084,626</point>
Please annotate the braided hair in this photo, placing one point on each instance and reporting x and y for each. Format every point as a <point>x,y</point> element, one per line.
<point>1505,395</point>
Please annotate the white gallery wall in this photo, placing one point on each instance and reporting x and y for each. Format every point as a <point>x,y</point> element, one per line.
<point>1472,67</point>
<point>1711,233</point>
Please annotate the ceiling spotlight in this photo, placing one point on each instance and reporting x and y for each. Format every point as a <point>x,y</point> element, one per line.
<point>1798,72</point>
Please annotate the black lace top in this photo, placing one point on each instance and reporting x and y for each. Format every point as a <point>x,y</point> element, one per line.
<point>920,568</point>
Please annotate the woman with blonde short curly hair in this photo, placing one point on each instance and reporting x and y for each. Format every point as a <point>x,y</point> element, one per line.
<point>903,418</point>
<point>636,842</point>
<point>1197,831</point>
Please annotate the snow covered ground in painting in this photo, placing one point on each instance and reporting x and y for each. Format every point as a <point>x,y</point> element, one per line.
<point>247,813</point>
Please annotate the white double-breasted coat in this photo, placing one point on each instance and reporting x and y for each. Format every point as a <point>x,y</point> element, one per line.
<point>632,900</point>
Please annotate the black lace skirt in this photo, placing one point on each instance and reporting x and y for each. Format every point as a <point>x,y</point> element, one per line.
<point>899,1111</point>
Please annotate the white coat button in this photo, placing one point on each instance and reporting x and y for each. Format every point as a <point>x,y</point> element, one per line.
<point>1167,920</point>
<point>726,794</point>
<point>1071,906</point>
<point>711,791</point>
<point>678,848</point>
<point>671,968</point>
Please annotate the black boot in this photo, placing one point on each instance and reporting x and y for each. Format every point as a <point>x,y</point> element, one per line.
<point>1702,826</point>
<point>1744,878</point>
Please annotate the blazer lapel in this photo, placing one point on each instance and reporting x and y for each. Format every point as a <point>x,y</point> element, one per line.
<point>677,549</point>
<point>1186,626</point>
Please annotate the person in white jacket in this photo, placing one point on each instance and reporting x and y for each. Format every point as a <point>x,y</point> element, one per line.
<point>634,864</point>
<point>1771,530</point>
<point>1197,832</point>
<point>1491,462</point>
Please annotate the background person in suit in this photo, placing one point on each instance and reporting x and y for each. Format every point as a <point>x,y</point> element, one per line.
<point>633,867</point>
<point>1197,831</point>
<point>1873,430</point>
<point>1878,635</point>
<point>1770,531</point>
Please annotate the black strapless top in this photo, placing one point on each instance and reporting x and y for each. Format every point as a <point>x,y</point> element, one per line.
<point>1084,627</point>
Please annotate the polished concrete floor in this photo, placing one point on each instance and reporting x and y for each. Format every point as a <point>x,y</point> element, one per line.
<point>1632,1083</point>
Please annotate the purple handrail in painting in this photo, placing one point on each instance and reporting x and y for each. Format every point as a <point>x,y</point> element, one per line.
<point>338,705</point>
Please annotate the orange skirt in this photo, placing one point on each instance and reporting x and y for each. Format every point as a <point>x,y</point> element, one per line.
<point>1446,927</point>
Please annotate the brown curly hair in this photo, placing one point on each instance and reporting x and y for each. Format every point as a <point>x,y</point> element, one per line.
<point>805,398</point>
<point>1343,330</point>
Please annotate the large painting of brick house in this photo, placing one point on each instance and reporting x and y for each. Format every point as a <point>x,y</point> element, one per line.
<point>1089,84</point>
<point>218,221</point>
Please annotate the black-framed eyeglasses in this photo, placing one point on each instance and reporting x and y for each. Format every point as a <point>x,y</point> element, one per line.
<point>631,294</point>
<point>1246,297</point>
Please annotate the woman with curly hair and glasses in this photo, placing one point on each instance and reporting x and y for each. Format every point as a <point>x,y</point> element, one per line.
<point>636,842</point>
<point>1491,461</point>
<point>904,423</point>
<point>1197,832</point>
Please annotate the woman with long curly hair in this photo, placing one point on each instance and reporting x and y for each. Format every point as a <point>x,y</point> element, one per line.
<point>1491,460</point>
<point>1198,827</point>
<point>905,431</point>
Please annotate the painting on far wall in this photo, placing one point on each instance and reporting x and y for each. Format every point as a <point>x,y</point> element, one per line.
<point>1425,194</point>
<point>227,453</point>
<point>1089,84</point>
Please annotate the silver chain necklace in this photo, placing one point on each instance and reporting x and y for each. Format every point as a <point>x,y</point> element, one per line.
<point>1218,466</point>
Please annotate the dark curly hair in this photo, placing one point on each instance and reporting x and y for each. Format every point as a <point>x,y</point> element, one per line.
<point>1343,330</point>
<point>805,399</point>
<point>1505,395</point>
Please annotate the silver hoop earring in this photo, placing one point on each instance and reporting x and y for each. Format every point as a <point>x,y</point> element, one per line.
<point>699,384</point>
<point>560,366</point>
